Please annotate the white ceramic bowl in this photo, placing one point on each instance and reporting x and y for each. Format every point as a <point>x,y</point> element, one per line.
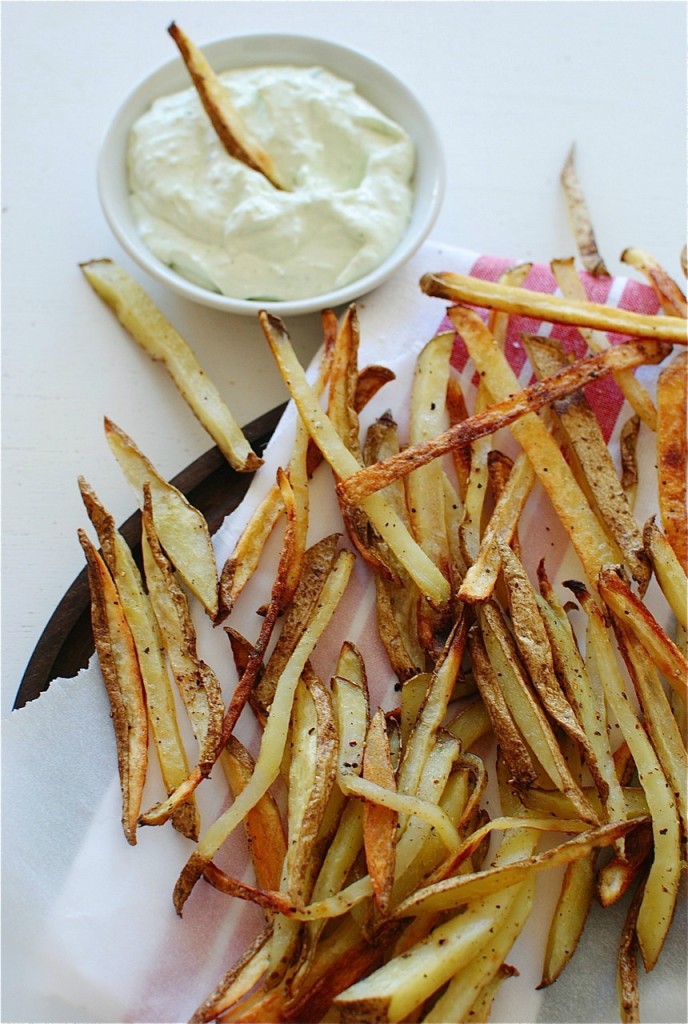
<point>372,81</point>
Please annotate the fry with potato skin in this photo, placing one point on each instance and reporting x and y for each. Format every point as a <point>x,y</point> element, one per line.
<point>227,123</point>
<point>358,485</point>
<point>140,616</point>
<point>379,823</point>
<point>671,297</point>
<point>508,299</point>
<point>182,529</point>
<point>145,322</point>
<point>122,676</point>
<point>580,220</point>
<point>636,616</point>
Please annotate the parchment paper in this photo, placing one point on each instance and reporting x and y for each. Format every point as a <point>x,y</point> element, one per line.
<point>89,930</point>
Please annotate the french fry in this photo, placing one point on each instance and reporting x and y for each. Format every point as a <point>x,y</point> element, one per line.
<point>237,982</point>
<point>579,218</point>
<point>148,326</point>
<point>266,836</point>
<point>659,721</point>
<point>425,486</point>
<point>672,455</point>
<point>534,647</point>
<point>122,677</point>
<point>230,129</point>
<point>481,577</point>
<point>182,530</point>
<point>457,891</point>
<point>552,308</point>
<point>589,705</point>
<point>145,631</point>
<point>318,562</point>
<point>513,748</point>
<point>358,485</point>
<point>197,683</point>
<point>668,292</point>
<point>573,905</point>
<point>633,614</point>
<point>379,823</point>
<point>467,984</point>
<point>668,570</point>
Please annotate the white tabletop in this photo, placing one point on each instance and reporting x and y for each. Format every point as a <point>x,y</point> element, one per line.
<point>509,85</point>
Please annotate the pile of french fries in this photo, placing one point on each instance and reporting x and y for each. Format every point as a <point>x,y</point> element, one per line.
<point>389,892</point>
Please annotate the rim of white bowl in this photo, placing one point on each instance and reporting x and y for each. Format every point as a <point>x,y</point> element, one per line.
<point>372,80</point>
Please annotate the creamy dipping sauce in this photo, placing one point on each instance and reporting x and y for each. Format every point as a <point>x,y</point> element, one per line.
<point>348,167</point>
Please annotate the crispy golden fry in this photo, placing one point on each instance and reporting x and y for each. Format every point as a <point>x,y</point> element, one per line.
<point>123,682</point>
<point>659,721</point>
<point>358,485</point>
<point>672,454</point>
<point>573,905</point>
<point>512,746</point>
<point>425,493</point>
<point>590,457</point>
<point>396,601</point>
<point>668,292</point>
<point>241,564</point>
<point>579,218</point>
<point>457,411</point>
<point>144,321</point>
<point>182,530</point>
<point>661,890</point>
<point>637,396</point>
<point>429,579</point>
<point>455,892</point>
<point>318,562</point>
<point>266,837</point>
<point>197,683</point>
<point>634,615</point>
<point>481,577</point>
<point>225,119</point>
<point>237,982</point>
<point>508,299</point>
<point>668,570</point>
<point>274,735</point>
<point>589,705</point>
<point>379,823</point>
<point>534,647</point>
<point>312,772</point>
<point>145,631</point>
